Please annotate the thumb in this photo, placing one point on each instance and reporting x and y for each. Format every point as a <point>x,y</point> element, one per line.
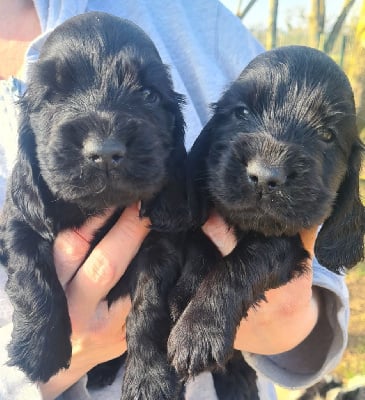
<point>72,245</point>
<point>108,261</point>
<point>220,234</point>
<point>309,237</point>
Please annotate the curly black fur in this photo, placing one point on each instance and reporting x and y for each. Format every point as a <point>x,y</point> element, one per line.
<point>281,153</point>
<point>101,126</point>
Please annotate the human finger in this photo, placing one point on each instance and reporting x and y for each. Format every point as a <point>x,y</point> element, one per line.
<point>107,262</point>
<point>71,246</point>
<point>308,237</point>
<point>219,233</point>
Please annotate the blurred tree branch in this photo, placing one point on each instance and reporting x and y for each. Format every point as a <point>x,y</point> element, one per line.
<point>241,14</point>
<point>356,68</point>
<point>331,39</point>
<point>316,22</point>
<point>271,35</point>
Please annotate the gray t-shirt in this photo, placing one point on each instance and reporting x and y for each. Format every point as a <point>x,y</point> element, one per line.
<point>206,47</point>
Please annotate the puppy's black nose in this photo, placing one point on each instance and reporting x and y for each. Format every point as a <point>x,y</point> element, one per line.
<point>265,176</point>
<point>106,154</point>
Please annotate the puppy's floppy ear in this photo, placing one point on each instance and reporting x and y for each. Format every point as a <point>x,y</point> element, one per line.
<point>198,197</point>
<point>169,211</point>
<point>27,190</point>
<point>340,243</point>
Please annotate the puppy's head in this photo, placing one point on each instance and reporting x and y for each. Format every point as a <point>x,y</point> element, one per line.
<point>106,122</point>
<point>282,153</point>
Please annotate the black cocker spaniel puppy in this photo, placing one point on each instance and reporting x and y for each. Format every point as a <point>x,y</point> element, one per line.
<point>101,127</point>
<point>281,153</point>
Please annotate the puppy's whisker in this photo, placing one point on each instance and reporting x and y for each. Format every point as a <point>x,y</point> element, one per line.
<point>101,190</point>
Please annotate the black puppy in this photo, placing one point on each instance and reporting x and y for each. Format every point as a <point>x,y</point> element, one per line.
<point>281,153</point>
<point>101,126</point>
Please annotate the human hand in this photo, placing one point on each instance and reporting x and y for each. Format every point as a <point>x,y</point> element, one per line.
<point>262,331</point>
<point>98,332</point>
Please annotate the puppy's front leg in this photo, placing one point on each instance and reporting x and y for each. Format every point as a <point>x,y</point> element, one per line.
<point>201,256</point>
<point>203,336</point>
<point>148,375</point>
<point>40,344</point>
<point>238,381</point>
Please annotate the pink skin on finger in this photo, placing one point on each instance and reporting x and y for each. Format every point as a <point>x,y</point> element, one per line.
<point>71,246</point>
<point>107,262</point>
<point>220,234</point>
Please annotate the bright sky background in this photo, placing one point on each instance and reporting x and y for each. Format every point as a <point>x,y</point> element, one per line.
<point>258,14</point>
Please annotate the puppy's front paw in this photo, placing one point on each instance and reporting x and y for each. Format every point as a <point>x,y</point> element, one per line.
<point>147,381</point>
<point>196,345</point>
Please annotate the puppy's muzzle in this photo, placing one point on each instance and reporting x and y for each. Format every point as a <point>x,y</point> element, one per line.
<point>105,155</point>
<point>265,177</point>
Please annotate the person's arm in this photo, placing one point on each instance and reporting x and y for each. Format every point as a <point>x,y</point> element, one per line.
<point>262,331</point>
<point>300,333</point>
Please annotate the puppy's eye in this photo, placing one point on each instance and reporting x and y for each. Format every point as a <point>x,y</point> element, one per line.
<point>327,135</point>
<point>150,96</point>
<point>241,112</point>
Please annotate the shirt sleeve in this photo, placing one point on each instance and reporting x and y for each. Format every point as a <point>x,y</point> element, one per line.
<point>323,349</point>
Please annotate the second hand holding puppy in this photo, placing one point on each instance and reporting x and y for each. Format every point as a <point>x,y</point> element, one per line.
<point>262,331</point>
